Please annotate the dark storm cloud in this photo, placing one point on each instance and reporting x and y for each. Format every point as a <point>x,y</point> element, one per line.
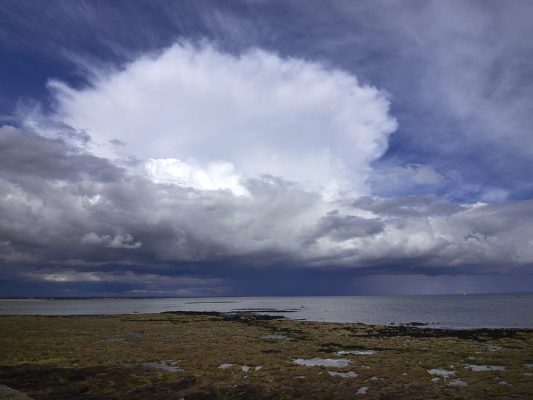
<point>63,209</point>
<point>24,153</point>
<point>59,204</point>
<point>345,227</point>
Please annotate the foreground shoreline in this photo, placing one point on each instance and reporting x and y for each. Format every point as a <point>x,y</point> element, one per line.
<point>212,355</point>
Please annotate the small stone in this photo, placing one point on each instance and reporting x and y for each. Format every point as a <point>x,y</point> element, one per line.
<point>362,390</point>
<point>458,383</point>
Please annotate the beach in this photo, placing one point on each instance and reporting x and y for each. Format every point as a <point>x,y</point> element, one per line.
<point>213,355</point>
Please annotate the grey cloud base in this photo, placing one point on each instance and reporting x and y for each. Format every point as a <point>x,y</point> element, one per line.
<point>69,218</point>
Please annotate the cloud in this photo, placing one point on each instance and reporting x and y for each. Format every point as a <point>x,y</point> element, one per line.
<point>458,75</point>
<point>116,242</point>
<point>479,68</point>
<point>408,206</point>
<point>183,169</point>
<point>405,179</point>
<point>345,227</point>
<point>26,153</point>
<point>217,176</point>
<point>61,220</point>
<point>254,113</point>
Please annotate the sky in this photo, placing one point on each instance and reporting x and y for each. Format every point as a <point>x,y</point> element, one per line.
<point>253,147</point>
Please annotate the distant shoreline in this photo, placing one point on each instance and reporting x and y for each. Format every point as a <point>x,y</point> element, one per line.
<point>413,328</point>
<point>255,296</point>
<point>451,311</point>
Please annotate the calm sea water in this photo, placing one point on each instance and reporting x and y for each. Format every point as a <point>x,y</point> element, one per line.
<point>454,311</point>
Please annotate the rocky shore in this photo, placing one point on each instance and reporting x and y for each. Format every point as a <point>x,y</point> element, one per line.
<point>187,355</point>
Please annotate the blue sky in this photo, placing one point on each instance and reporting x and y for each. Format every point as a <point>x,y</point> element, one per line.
<point>265,147</point>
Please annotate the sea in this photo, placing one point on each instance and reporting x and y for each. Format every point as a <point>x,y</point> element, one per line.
<point>434,311</point>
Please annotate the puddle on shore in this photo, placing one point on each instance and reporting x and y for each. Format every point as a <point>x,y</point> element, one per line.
<point>441,372</point>
<point>350,374</point>
<point>458,383</point>
<point>356,352</point>
<point>322,362</point>
<point>528,365</point>
<point>274,337</point>
<point>168,366</point>
<point>484,368</point>
<point>244,368</point>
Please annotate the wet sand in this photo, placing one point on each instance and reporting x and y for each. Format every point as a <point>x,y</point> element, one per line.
<point>245,356</point>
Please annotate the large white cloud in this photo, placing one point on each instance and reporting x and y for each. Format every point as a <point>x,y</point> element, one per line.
<point>258,113</point>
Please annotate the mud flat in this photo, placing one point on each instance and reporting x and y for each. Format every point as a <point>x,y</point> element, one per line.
<point>247,356</point>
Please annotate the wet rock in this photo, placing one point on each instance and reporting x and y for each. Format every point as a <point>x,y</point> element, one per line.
<point>441,372</point>
<point>168,366</point>
<point>362,390</point>
<point>485,368</point>
<point>349,374</point>
<point>458,383</point>
<point>356,352</point>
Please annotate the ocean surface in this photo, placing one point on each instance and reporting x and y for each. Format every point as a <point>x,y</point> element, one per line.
<point>447,311</point>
